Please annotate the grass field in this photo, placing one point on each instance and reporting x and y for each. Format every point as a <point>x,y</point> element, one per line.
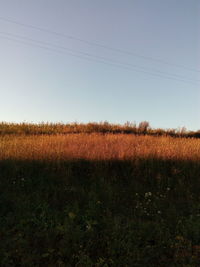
<point>99,200</point>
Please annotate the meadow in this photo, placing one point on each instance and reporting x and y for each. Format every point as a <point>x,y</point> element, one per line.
<point>98,199</point>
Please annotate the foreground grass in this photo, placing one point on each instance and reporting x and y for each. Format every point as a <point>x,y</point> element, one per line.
<point>93,200</point>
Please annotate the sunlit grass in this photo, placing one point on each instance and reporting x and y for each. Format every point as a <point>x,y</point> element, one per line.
<point>92,127</point>
<point>97,147</point>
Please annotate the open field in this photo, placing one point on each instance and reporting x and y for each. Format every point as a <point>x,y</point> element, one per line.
<point>97,147</point>
<point>99,200</point>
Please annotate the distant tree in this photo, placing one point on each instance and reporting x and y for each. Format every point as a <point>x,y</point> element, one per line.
<point>143,127</point>
<point>183,130</point>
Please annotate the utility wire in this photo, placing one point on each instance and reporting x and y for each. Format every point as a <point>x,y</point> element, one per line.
<point>94,56</point>
<point>97,44</point>
<point>94,60</point>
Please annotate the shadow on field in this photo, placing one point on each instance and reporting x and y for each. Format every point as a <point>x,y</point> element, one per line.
<point>142,212</point>
<point>141,175</point>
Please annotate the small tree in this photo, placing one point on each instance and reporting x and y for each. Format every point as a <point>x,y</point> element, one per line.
<point>143,127</point>
<point>183,130</point>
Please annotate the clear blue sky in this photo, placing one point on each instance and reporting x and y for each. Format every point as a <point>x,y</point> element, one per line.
<point>154,76</point>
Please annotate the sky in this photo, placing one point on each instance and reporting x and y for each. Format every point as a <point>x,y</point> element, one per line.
<point>108,60</point>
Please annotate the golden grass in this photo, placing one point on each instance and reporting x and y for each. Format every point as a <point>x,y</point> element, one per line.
<point>97,147</point>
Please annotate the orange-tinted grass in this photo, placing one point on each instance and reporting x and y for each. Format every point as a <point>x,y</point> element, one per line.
<point>97,147</point>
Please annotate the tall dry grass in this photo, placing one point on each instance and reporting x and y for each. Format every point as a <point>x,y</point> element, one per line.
<point>97,147</point>
<point>92,127</point>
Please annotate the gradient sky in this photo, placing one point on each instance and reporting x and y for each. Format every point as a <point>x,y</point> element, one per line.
<point>154,76</point>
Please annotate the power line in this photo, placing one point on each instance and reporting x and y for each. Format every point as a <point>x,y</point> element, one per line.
<point>97,44</point>
<point>95,60</point>
<point>94,56</point>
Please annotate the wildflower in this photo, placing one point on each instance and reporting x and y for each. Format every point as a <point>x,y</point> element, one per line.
<point>148,194</point>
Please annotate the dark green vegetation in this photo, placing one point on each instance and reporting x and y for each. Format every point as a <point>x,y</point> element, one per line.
<point>103,127</point>
<point>100,213</point>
